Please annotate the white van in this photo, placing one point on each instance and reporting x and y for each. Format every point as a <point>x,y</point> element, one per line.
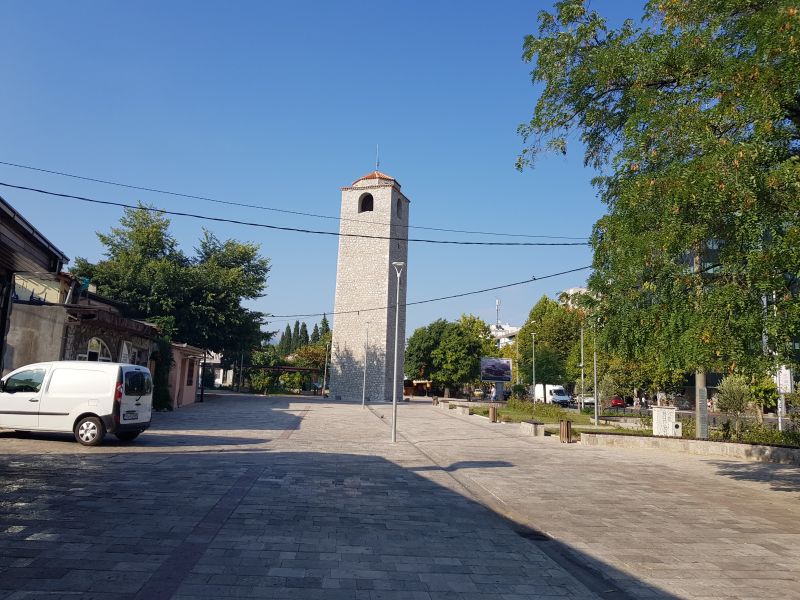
<point>88,399</point>
<point>555,394</point>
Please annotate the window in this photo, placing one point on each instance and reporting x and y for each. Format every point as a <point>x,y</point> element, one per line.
<point>25,381</point>
<point>138,383</point>
<point>97,351</point>
<point>365,203</point>
<point>399,208</point>
<point>190,373</point>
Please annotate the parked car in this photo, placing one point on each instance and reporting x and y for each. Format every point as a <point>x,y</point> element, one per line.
<point>586,398</point>
<point>88,399</point>
<point>617,402</point>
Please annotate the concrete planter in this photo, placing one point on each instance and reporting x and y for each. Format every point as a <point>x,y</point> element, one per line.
<point>749,452</point>
<point>532,428</point>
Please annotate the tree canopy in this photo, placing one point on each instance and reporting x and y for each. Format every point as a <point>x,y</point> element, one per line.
<point>691,119</point>
<point>196,298</point>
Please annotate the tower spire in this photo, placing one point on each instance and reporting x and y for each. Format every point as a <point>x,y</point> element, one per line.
<point>377,158</point>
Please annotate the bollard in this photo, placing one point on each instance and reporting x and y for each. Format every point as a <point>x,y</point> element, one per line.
<point>492,413</point>
<point>565,432</point>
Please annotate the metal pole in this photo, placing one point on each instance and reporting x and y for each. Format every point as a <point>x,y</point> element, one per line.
<point>202,375</point>
<point>596,395</point>
<point>398,268</point>
<point>364,386</point>
<point>533,364</point>
<point>241,370</point>
<point>325,372</point>
<point>582,371</point>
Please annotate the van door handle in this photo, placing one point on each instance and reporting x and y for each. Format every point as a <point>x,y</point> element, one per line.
<point>33,399</point>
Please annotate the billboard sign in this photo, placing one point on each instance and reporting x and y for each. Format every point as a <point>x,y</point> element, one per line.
<point>495,369</point>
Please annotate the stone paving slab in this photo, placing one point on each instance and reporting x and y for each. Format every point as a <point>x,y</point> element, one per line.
<point>254,498</point>
<point>251,497</point>
<point>684,525</point>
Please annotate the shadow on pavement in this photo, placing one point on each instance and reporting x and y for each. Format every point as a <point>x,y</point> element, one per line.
<point>779,477</point>
<point>270,524</point>
<point>148,439</point>
<point>465,464</point>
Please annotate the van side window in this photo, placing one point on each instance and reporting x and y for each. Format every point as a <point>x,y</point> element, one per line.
<point>138,383</point>
<point>25,381</point>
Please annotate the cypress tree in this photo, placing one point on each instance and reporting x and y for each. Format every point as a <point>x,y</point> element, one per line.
<point>303,335</point>
<point>315,334</point>
<point>296,336</point>
<point>324,328</point>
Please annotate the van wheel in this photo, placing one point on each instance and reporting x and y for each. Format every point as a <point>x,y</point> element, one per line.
<point>89,431</point>
<point>127,436</point>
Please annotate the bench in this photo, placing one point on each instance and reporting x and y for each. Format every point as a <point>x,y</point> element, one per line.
<point>534,428</point>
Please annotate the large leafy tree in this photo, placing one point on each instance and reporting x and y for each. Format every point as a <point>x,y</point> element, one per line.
<point>557,328</point>
<point>457,357</point>
<point>691,119</point>
<point>195,299</point>
<point>419,349</point>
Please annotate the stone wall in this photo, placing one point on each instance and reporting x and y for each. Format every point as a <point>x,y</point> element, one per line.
<point>749,452</point>
<point>365,279</point>
<point>35,334</point>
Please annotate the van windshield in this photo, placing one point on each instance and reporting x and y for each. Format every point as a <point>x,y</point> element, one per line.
<point>138,383</point>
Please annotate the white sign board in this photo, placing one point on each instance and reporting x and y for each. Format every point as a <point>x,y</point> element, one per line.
<point>664,421</point>
<point>783,379</point>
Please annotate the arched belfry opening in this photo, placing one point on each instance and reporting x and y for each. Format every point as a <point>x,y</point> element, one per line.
<point>365,203</point>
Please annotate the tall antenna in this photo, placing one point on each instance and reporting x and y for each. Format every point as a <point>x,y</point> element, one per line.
<point>497,308</point>
<point>377,158</point>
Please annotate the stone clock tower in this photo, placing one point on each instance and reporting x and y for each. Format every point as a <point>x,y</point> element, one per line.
<point>366,279</point>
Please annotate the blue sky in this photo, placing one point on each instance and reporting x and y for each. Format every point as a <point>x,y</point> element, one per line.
<point>280,105</point>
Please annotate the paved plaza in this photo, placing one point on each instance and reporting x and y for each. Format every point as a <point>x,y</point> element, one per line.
<point>252,497</point>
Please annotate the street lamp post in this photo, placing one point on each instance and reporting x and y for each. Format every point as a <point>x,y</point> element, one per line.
<point>398,269</point>
<point>364,387</point>
<point>325,372</point>
<point>533,364</point>
<point>582,370</point>
<point>596,395</point>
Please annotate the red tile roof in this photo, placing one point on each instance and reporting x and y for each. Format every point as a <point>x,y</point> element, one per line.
<point>375,175</point>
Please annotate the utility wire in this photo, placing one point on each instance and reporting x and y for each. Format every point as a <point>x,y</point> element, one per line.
<point>461,295</point>
<point>293,229</point>
<point>279,210</point>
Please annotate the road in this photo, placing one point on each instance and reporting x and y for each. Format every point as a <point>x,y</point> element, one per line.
<point>252,497</point>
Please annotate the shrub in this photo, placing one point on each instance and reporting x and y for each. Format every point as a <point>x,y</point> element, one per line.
<point>734,396</point>
<point>549,411</point>
<point>519,391</point>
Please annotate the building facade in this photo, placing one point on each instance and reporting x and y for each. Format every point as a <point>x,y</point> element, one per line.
<point>366,289</point>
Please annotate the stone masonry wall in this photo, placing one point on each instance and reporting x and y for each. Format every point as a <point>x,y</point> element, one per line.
<point>365,279</point>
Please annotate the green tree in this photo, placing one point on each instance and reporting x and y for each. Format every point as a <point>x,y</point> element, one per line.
<point>557,329</point>
<point>296,341</point>
<point>456,358</point>
<point>285,344</point>
<point>419,350</point>
<point>692,119</point>
<point>479,329</point>
<point>324,328</point>
<point>314,334</point>
<point>303,335</point>
<point>195,299</point>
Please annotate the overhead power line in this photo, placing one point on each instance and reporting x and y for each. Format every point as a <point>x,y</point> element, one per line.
<point>461,295</point>
<point>282,228</point>
<point>278,210</point>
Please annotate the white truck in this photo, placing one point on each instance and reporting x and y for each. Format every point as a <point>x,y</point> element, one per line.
<point>555,394</point>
